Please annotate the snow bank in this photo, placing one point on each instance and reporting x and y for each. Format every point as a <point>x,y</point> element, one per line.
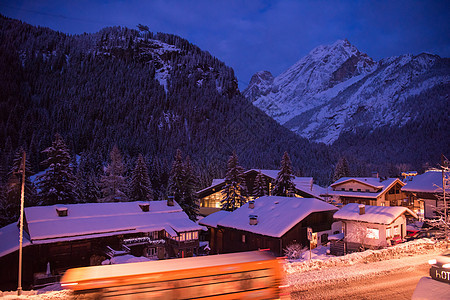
<point>320,261</point>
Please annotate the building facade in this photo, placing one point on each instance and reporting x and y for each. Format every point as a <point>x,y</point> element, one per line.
<point>269,222</point>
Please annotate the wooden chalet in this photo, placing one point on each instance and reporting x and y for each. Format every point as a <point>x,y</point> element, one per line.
<point>76,235</point>
<point>369,191</point>
<point>422,192</point>
<point>269,222</point>
<point>369,227</point>
<point>211,196</point>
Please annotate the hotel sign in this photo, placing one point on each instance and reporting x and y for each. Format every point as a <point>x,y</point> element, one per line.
<point>440,274</point>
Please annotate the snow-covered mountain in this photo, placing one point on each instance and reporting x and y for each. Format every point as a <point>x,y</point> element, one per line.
<point>337,88</point>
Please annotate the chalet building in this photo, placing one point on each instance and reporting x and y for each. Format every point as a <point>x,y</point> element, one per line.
<point>76,235</point>
<point>422,190</point>
<point>369,227</point>
<point>211,196</point>
<point>369,191</point>
<point>269,222</point>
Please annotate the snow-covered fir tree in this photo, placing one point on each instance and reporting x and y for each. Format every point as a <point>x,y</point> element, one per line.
<point>177,177</point>
<point>114,184</point>
<point>284,185</point>
<point>11,191</point>
<point>259,187</point>
<point>140,185</point>
<point>87,184</point>
<point>235,190</point>
<point>182,185</point>
<point>57,184</point>
<point>190,202</point>
<point>341,170</point>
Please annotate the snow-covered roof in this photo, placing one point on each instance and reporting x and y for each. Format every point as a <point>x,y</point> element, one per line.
<point>214,218</point>
<point>276,215</point>
<point>9,239</point>
<point>373,214</point>
<point>371,181</point>
<point>104,219</point>
<point>428,182</point>
<point>304,184</point>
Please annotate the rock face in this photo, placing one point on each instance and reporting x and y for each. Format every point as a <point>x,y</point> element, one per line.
<point>337,88</point>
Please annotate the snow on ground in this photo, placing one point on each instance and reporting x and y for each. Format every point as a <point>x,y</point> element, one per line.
<point>322,268</point>
<point>360,264</point>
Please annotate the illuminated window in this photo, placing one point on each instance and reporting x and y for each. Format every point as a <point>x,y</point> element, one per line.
<point>243,238</point>
<point>388,232</point>
<point>195,235</point>
<point>396,231</point>
<point>373,233</point>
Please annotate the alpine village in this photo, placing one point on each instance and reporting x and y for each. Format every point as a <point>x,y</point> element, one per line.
<point>127,146</point>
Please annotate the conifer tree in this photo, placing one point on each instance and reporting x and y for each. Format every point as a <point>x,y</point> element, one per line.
<point>259,187</point>
<point>57,184</point>
<point>284,185</point>
<point>182,185</point>
<point>87,185</point>
<point>113,184</point>
<point>341,170</point>
<point>177,177</point>
<point>11,191</point>
<point>190,202</point>
<point>235,191</point>
<point>140,185</point>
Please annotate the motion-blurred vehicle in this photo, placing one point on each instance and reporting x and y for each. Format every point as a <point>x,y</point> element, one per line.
<point>245,275</point>
<point>440,267</point>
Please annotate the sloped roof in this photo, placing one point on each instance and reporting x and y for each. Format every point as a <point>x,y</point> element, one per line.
<point>371,181</point>
<point>428,182</point>
<point>9,239</point>
<point>214,218</point>
<point>276,215</point>
<point>103,219</point>
<point>373,214</point>
<point>304,184</point>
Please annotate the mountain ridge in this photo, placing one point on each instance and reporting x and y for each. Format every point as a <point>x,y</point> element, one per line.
<point>336,88</point>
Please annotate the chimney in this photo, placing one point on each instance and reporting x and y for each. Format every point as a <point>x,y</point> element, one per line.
<point>62,211</point>
<point>362,209</point>
<point>145,206</point>
<point>253,219</point>
<point>170,201</point>
<point>375,174</point>
<point>251,204</point>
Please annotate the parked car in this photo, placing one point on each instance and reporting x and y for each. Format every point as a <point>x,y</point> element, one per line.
<point>440,267</point>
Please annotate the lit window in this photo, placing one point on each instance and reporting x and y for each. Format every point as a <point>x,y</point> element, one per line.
<point>388,232</point>
<point>373,233</point>
<point>243,238</point>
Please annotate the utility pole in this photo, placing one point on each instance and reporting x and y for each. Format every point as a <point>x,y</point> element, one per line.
<point>22,193</point>
<point>444,165</point>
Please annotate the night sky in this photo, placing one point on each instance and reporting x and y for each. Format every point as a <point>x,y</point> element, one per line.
<point>254,35</point>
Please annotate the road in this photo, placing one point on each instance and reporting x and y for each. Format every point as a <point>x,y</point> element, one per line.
<point>395,284</point>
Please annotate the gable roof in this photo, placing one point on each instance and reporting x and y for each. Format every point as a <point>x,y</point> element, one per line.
<point>428,182</point>
<point>213,219</point>
<point>92,220</point>
<point>9,237</point>
<point>369,181</point>
<point>304,184</point>
<point>276,215</point>
<point>373,214</point>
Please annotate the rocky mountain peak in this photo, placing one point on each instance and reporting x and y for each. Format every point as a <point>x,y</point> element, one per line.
<point>260,85</point>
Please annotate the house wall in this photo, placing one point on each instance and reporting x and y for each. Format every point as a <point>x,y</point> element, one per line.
<point>359,233</point>
<point>354,186</point>
<point>234,240</point>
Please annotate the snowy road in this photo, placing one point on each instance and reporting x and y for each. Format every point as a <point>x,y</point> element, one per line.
<point>391,279</point>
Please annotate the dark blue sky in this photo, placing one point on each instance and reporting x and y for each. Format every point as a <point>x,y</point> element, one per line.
<point>259,34</point>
